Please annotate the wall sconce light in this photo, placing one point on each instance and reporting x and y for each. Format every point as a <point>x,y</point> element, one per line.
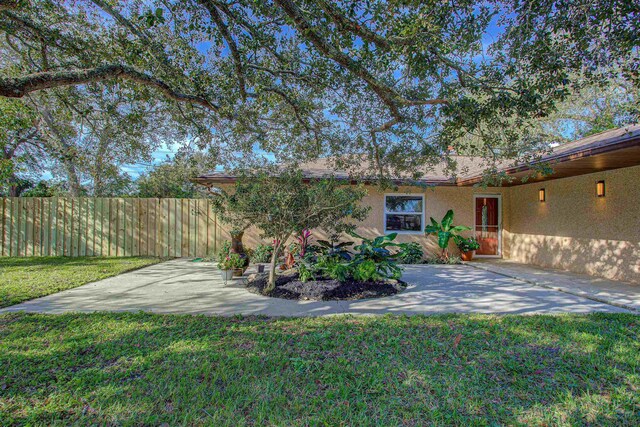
<point>542,195</point>
<point>600,188</point>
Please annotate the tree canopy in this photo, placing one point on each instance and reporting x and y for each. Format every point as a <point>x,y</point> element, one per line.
<point>397,81</point>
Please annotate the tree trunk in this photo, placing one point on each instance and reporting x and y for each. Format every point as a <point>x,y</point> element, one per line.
<point>75,189</point>
<point>272,273</point>
<point>14,186</point>
<point>65,155</point>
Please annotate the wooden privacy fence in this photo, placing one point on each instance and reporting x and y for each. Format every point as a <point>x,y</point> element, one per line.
<point>31,226</point>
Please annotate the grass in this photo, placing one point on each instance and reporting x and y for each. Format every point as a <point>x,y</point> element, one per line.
<point>22,279</point>
<point>145,369</point>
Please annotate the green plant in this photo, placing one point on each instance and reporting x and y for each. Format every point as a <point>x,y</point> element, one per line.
<point>331,249</point>
<point>262,253</point>
<point>410,253</point>
<point>231,261</point>
<point>306,272</point>
<point>467,244</point>
<point>444,230</point>
<point>366,271</point>
<point>376,250</point>
<point>224,251</point>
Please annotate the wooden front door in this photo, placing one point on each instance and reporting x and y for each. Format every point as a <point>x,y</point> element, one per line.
<point>487,225</point>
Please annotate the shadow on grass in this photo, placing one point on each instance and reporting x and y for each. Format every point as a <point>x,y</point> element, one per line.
<point>152,369</point>
<point>60,261</point>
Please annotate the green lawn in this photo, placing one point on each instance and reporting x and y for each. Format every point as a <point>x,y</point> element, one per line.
<point>22,279</point>
<point>145,369</point>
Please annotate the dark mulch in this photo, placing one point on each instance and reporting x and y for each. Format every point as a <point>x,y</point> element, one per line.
<point>289,286</point>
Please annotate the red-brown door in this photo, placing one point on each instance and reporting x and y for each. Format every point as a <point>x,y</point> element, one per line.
<point>487,224</point>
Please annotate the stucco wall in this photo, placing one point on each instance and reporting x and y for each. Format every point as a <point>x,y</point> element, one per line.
<point>576,230</point>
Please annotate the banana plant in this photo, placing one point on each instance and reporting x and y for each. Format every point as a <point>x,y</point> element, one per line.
<point>444,230</point>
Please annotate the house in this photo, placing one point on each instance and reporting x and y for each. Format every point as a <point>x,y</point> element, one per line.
<point>584,217</point>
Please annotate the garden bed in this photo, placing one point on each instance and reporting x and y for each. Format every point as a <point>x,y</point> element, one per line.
<point>289,286</point>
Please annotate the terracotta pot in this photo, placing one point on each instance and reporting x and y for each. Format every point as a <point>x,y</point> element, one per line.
<point>467,256</point>
<point>237,272</point>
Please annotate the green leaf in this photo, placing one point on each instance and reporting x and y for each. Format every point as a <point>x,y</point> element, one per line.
<point>443,239</point>
<point>447,220</point>
<point>459,228</point>
<point>430,229</point>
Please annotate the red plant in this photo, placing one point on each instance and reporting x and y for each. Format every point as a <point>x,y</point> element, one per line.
<point>303,241</point>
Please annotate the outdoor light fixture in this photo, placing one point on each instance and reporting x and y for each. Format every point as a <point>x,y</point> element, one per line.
<point>541,195</point>
<point>600,188</point>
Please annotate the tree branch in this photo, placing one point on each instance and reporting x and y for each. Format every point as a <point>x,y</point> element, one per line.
<point>346,24</point>
<point>235,54</point>
<point>388,95</point>
<point>19,87</point>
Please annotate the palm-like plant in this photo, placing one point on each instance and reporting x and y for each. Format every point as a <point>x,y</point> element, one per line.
<point>445,230</point>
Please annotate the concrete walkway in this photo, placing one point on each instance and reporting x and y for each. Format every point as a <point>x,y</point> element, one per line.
<point>620,294</point>
<point>182,286</point>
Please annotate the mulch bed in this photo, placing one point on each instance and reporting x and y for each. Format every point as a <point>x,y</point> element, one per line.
<point>289,286</point>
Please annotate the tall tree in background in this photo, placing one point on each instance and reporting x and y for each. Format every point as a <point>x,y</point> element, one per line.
<point>593,109</point>
<point>20,146</point>
<point>396,81</point>
<point>172,179</point>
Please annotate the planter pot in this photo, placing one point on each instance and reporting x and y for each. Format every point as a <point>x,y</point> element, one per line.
<point>260,268</point>
<point>467,256</point>
<point>238,272</point>
<point>226,274</point>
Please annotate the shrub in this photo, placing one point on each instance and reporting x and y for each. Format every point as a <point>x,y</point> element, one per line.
<point>410,253</point>
<point>376,250</point>
<point>334,268</point>
<point>262,253</point>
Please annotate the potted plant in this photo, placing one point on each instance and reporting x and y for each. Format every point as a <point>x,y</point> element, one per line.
<point>237,264</point>
<point>467,246</point>
<point>237,246</point>
<point>261,256</point>
<point>226,266</point>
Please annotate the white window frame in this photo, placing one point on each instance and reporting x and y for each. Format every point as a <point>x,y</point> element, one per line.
<point>422,214</point>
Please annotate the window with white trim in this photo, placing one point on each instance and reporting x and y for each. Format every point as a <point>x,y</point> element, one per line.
<point>404,213</point>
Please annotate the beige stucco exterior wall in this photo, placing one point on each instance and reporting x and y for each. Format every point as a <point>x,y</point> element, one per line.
<point>574,229</point>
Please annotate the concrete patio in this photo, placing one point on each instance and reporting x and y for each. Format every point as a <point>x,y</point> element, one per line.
<point>185,287</point>
<point>621,294</point>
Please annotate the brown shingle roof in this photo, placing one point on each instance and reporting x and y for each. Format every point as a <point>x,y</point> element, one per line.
<point>624,138</point>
